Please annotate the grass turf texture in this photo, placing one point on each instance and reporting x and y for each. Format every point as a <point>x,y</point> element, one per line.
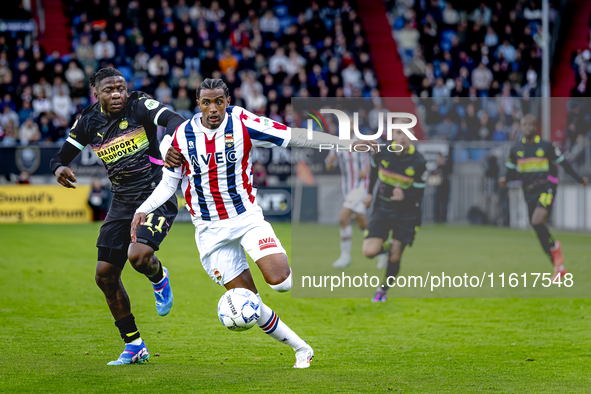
<point>56,334</point>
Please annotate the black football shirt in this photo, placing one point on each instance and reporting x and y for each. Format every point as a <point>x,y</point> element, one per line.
<point>127,144</point>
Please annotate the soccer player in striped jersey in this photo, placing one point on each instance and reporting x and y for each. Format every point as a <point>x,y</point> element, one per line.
<point>213,154</point>
<point>534,162</point>
<point>354,169</point>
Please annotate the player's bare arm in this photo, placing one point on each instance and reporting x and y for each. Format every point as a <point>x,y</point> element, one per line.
<point>367,200</point>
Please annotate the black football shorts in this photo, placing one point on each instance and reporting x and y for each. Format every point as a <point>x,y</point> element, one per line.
<point>115,231</point>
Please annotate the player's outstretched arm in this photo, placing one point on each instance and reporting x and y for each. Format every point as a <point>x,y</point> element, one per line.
<point>165,189</point>
<point>299,138</point>
<point>571,171</point>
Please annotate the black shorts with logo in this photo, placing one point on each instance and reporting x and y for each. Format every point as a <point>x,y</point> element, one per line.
<point>543,197</point>
<point>115,231</point>
<point>381,222</point>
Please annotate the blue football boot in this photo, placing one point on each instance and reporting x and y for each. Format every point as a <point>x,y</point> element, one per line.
<point>132,354</point>
<point>163,294</point>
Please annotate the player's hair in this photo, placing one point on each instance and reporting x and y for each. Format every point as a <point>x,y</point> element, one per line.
<point>103,73</point>
<point>211,84</point>
<point>531,117</point>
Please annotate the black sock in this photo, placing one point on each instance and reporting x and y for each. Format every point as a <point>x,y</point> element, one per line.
<point>157,276</point>
<point>391,271</point>
<point>545,238</point>
<point>127,328</point>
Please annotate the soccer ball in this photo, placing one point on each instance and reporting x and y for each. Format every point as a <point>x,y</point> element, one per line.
<point>239,309</point>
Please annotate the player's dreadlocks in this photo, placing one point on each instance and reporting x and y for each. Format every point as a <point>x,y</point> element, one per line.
<point>103,73</point>
<point>210,84</point>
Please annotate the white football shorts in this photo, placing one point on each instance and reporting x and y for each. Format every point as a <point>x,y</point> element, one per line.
<point>354,200</point>
<point>222,243</point>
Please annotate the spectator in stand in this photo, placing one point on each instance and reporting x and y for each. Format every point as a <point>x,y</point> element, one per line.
<point>210,64</point>
<point>157,66</point>
<point>256,103</point>
<point>269,25</point>
<point>29,132</point>
<point>8,115</point>
<point>62,104</point>
<point>482,77</point>
<point>23,179</point>
<point>227,60</point>
<point>104,49</point>
<point>9,135</point>
<point>42,86</point>
<point>74,74</point>
<point>162,91</point>
<point>183,104</point>
<point>85,53</point>
<point>408,41</point>
<point>25,112</point>
<point>47,129</point>
<point>41,104</point>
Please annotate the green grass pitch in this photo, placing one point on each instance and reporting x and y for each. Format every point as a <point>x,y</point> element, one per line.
<point>56,334</point>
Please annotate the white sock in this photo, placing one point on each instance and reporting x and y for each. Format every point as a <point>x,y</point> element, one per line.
<point>346,234</point>
<point>136,342</point>
<point>271,325</point>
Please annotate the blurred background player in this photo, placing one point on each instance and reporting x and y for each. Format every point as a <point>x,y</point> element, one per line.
<point>533,161</point>
<point>354,167</point>
<point>402,175</point>
<point>121,130</point>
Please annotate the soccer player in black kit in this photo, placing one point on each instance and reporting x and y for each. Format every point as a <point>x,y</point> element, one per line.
<point>397,208</point>
<point>534,162</point>
<point>121,130</point>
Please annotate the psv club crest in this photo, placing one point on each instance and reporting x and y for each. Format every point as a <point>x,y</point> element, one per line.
<point>229,139</point>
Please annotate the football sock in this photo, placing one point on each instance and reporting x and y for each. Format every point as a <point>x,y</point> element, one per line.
<point>136,342</point>
<point>158,276</point>
<point>271,325</point>
<point>391,271</point>
<point>385,247</point>
<point>128,329</point>
<point>346,234</point>
<point>545,238</point>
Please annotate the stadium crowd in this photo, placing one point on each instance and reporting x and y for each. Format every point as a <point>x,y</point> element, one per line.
<point>266,51</point>
<point>459,54</point>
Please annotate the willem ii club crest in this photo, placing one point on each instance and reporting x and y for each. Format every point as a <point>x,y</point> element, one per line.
<point>229,140</point>
<point>217,274</point>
